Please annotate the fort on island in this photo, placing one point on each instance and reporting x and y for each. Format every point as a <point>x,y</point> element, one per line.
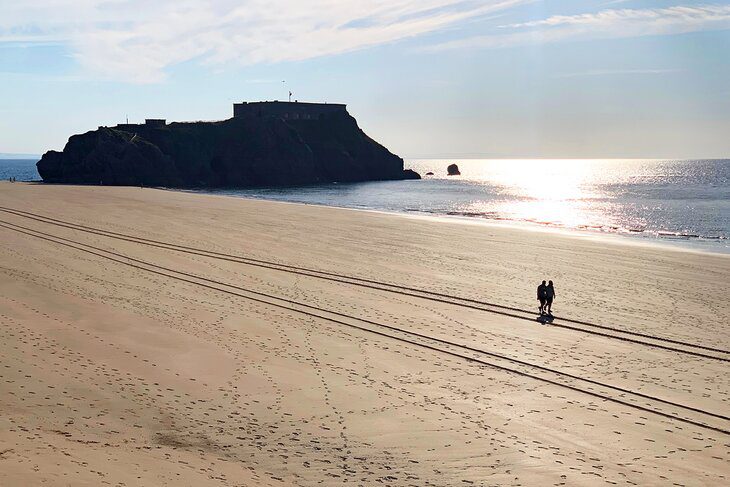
<point>265,143</point>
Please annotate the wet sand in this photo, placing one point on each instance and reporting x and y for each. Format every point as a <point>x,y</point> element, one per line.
<point>115,372</point>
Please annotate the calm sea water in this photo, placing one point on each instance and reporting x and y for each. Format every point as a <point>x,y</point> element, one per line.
<point>683,202</point>
<point>20,169</point>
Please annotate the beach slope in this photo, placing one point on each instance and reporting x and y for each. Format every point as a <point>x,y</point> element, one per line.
<point>150,337</point>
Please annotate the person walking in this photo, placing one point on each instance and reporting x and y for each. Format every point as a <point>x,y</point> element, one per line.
<point>549,297</point>
<point>541,295</point>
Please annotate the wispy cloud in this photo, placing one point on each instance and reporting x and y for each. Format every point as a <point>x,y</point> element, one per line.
<point>615,2</point>
<point>610,23</point>
<point>137,40</point>
<point>617,72</point>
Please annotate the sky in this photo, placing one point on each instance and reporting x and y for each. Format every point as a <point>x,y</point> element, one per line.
<point>426,78</point>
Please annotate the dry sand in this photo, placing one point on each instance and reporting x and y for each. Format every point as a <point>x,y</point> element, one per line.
<point>114,375</point>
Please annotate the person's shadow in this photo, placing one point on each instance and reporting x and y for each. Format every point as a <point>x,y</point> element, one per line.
<point>545,319</point>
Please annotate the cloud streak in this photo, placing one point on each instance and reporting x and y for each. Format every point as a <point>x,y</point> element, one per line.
<point>610,23</point>
<point>618,72</point>
<point>138,40</point>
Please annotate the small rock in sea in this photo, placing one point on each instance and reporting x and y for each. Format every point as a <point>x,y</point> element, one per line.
<point>429,173</point>
<point>410,174</point>
<point>453,170</point>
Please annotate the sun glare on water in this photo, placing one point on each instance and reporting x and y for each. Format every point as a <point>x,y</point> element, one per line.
<point>559,192</point>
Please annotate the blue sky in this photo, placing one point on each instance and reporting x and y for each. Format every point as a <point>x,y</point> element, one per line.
<point>427,78</point>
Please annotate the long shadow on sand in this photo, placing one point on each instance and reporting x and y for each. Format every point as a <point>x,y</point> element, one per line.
<point>545,319</point>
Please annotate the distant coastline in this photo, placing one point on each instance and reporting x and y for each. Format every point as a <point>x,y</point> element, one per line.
<point>22,157</point>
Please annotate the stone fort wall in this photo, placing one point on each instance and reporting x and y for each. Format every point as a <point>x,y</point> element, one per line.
<point>287,110</point>
<point>280,109</point>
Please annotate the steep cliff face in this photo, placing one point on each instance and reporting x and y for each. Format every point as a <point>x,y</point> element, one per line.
<point>234,153</point>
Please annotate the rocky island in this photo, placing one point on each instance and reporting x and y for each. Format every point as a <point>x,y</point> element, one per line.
<point>264,144</point>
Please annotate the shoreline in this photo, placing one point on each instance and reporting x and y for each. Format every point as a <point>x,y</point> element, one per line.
<point>682,245</point>
<point>701,245</point>
<point>662,223</point>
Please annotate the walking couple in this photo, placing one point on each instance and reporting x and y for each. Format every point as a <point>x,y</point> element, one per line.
<point>546,294</point>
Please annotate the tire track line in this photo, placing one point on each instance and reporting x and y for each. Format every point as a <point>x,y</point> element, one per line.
<point>295,306</point>
<point>388,287</point>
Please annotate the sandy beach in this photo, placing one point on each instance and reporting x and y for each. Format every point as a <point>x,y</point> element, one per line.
<point>152,337</point>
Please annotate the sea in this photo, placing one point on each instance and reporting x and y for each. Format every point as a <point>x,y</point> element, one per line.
<point>675,202</point>
<point>20,169</point>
